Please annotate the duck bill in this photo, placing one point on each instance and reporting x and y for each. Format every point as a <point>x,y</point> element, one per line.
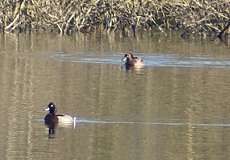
<point>47,109</point>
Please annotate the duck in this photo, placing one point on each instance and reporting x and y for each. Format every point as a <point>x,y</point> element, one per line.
<point>131,61</point>
<point>52,119</point>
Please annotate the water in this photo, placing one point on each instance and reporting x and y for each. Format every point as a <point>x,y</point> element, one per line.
<point>175,108</point>
<point>150,60</point>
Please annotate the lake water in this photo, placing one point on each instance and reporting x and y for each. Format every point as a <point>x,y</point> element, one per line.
<point>177,107</point>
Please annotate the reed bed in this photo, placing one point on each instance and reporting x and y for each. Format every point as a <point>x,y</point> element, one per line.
<point>202,17</point>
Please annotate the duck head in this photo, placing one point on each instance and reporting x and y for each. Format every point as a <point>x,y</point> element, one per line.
<point>51,108</point>
<point>128,57</point>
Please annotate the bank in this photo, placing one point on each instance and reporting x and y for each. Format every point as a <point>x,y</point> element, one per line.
<point>205,18</point>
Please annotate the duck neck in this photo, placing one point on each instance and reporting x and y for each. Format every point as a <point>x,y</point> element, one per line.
<point>52,113</point>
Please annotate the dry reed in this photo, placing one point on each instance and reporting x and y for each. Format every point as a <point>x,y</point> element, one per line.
<point>203,17</point>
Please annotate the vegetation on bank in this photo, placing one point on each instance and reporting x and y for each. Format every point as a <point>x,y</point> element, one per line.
<point>203,17</point>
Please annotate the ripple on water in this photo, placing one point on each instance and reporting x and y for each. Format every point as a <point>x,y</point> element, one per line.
<point>159,60</point>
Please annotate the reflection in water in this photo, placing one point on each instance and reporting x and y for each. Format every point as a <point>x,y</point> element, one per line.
<point>166,111</point>
<point>16,87</point>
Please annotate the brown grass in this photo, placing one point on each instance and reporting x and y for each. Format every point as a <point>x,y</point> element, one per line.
<point>203,17</point>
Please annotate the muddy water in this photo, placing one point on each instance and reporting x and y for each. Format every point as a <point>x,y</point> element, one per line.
<point>177,107</point>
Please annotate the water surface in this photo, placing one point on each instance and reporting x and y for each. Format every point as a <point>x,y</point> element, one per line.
<point>175,108</point>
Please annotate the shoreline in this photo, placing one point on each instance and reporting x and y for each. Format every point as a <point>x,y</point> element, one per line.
<point>205,18</point>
